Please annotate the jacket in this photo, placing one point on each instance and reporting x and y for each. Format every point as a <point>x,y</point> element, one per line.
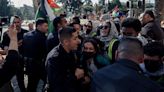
<point>123,76</point>
<point>152,31</point>
<point>60,67</point>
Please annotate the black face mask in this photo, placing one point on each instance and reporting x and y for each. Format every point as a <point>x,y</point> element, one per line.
<point>88,55</point>
<point>152,65</point>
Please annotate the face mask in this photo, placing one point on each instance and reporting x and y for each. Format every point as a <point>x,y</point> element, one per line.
<point>153,66</point>
<point>88,55</point>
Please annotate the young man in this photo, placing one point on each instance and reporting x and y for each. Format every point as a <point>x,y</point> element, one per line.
<point>34,53</point>
<point>131,27</point>
<point>8,69</point>
<point>52,39</point>
<point>61,65</point>
<point>9,64</point>
<point>154,61</point>
<point>5,44</point>
<point>123,75</point>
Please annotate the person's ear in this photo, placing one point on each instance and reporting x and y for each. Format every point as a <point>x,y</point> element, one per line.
<point>65,42</point>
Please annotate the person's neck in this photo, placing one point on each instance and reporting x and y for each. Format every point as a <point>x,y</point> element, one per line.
<point>131,59</point>
<point>66,49</point>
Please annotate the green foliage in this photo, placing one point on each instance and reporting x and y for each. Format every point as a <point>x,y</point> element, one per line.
<point>88,8</point>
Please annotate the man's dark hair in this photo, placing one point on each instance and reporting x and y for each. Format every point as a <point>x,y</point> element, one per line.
<point>63,15</point>
<point>76,20</point>
<point>150,13</point>
<point>57,21</point>
<point>132,23</point>
<point>130,47</point>
<point>41,21</point>
<point>154,49</point>
<point>16,16</point>
<point>66,33</point>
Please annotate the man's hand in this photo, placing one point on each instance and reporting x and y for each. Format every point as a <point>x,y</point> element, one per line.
<point>79,73</point>
<point>12,33</point>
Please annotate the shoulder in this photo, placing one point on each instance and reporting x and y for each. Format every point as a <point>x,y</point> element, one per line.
<point>53,54</point>
<point>52,35</point>
<point>28,33</point>
<point>24,31</point>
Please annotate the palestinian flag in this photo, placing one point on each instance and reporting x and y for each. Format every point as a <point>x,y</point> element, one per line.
<point>46,10</point>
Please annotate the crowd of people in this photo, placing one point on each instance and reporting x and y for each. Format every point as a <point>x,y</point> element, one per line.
<point>118,54</point>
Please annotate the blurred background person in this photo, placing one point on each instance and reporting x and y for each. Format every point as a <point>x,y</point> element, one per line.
<point>31,27</point>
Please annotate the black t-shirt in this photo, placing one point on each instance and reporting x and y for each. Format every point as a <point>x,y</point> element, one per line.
<point>6,39</point>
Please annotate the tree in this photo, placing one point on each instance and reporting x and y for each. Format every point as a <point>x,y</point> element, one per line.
<point>88,8</point>
<point>71,5</point>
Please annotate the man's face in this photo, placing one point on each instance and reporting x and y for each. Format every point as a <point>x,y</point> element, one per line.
<point>43,27</point>
<point>129,32</point>
<point>77,27</point>
<point>145,18</point>
<point>73,41</point>
<point>31,26</point>
<point>63,22</point>
<point>18,23</point>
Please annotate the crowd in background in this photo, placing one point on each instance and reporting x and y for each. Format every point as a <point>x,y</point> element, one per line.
<point>113,54</point>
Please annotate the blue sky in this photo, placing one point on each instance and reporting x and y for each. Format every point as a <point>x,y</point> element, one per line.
<point>19,3</point>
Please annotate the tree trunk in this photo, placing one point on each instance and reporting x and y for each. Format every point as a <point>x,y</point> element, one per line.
<point>159,9</point>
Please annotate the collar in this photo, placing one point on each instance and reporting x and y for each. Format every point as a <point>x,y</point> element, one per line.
<point>39,32</point>
<point>149,22</point>
<point>130,64</point>
<point>62,50</point>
